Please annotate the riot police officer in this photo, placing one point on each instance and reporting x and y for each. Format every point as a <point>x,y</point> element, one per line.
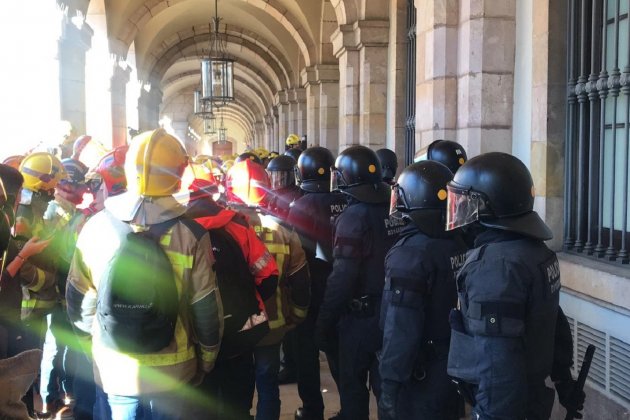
<point>311,217</point>
<point>284,191</point>
<point>419,293</point>
<point>248,155</point>
<point>449,153</point>
<point>363,235</point>
<point>389,164</point>
<point>503,340</point>
<point>294,153</point>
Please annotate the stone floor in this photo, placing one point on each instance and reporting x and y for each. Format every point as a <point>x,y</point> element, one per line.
<point>291,400</point>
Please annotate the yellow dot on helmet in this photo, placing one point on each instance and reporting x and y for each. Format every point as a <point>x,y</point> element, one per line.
<point>321,171</point>
<point>251,158</point>
<point>461,161</point>
<point>372,169</point>
<point>442,194</point>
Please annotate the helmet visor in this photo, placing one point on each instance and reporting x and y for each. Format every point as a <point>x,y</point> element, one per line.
<point>336,180</point>
<point>397,202</point>
<point>280,179</point>
<point>94,182</point>
<point>463,207</point>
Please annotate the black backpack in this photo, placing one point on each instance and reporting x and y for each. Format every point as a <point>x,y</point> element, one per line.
<point>137,303</point>
<point>238,295</point>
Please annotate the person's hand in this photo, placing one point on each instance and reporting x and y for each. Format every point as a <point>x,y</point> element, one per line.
<point>387,402</point>
<point>573,403</point>
<point>33,247</point>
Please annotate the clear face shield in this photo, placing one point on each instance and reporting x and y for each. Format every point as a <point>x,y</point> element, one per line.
<point>298,175</point>
<point>463,207</point>
<point>280,179</point>
<point>336,179</point>
<point>397,201</point>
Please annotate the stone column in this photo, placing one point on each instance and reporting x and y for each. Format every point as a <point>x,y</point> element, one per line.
<point>297,103</point>
<point>373,58</point>
<point>309,81</point>
<point>276,131</point>
<point>73,44</point>
<point>282,104</point>
<point>548,113</point>
<point>436,70</point>
<point>259,135</point>
<point>346,49</point>
<point>149,108</point>
<point>322,87</point>
<point>487,33</point>
<point>119,81</point>
<point>269,133</point>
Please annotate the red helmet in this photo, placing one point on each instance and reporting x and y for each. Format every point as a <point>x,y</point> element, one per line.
<point>111,170</point>
<point>88,150</point>
<point>247,182</point>
<point>14,161</point>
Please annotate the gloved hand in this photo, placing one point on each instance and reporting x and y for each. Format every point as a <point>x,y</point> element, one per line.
<point>326,340</point>
<point>387,401</point>
<point>573,403</point>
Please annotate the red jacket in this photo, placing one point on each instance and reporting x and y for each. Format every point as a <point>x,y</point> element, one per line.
<point>261,263</point>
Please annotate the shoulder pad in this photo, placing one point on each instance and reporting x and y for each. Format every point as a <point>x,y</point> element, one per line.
<point>473,255</point>
<point>194,227</point>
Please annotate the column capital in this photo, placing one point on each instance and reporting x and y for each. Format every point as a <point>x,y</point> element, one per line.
<point>297,95</point>
<point>281,97</point>
<point>362,33</point>
<point>75,37</point>
<point>120,75</point>
<point>320,73</point>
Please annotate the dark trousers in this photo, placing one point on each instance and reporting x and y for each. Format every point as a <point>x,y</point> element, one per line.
<point>229,387</point>
<point>301,342</point>
<point>84,388</point>
<point>267,365</point>
<point>359,340</point>
<point>433,397</point>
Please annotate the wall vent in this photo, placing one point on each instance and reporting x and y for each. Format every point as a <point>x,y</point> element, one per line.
<point>620,369</point>
<point>585,336</point>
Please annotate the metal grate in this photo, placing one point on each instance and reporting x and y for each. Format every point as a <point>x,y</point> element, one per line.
<point>620,369</point>
<point>585,336</point>
<point>410,99</point>
<point>597,153</point>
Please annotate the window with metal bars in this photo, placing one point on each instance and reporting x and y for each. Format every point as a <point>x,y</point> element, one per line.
<point>410,91</point>
<point>598,129</point>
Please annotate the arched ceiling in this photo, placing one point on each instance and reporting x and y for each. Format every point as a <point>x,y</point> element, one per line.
<point>271,40</point>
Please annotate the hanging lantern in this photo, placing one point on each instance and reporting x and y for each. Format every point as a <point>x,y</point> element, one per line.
<point>209,125</point>
<point>217,71</point>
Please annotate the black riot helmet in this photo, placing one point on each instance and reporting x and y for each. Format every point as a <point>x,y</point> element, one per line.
<point>294,153</point>
<point>420,195</point>
<point>357,173</point>
<point>313,169</point>
<point>248,155</point>
<point>448,152</point>
<point>389,164</point>
<point>281,172</point>
<point>497,190</point>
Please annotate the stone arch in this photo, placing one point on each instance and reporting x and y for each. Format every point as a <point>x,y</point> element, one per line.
<point>142,14</point>
<point>346,11</point>
<point>236,37</point>
<point>193,47</point>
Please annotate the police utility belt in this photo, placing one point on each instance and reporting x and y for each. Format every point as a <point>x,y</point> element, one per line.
<point>364,306</point>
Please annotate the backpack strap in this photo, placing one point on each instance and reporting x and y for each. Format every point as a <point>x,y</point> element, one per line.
<point>197,230</point>
<point>156,231</point>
